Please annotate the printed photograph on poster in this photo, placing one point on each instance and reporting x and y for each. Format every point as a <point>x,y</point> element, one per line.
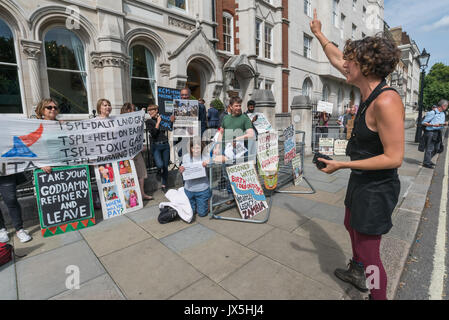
<point>289,144</point>
<point>326,146</point>
<point>107,173</point>
<point>125,167</point>
<point>297,170</point>
<point>186,131</point>
<point>340,147</point>
<point>128,183</point>
<point>131,198</point>
<point>64,197</point>
<point>236,150</point>
<point>110,193</point>
<point>247,189</point>
<point>185,109</point>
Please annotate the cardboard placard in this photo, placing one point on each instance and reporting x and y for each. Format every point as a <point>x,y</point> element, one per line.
<point>119,188</point>
<point>324,106</point>
<point>297,170</point>
<point>247,190</point>
<point>326,146</point>
<point>64,199</point>
<point>186,122</point>
<point>340,147</point>
<point>267,152</point>
<point>262,124</point>
<point>289,144</point>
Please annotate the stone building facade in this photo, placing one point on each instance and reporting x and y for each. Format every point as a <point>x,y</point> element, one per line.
<point>80,51</point>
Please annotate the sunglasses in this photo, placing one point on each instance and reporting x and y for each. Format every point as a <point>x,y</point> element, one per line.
<point>52,107</point>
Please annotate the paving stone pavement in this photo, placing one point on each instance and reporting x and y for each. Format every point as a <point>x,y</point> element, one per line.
<point>292,256</point>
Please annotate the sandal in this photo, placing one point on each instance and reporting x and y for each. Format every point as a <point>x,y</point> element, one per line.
<point>146,197</point>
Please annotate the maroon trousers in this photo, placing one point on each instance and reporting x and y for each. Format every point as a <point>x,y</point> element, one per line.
<point>366,250</point>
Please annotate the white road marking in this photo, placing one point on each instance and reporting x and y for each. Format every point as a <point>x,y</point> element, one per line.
<point>439,264</point>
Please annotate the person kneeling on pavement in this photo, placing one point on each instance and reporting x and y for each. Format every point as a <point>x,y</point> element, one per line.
<point>197,190</point>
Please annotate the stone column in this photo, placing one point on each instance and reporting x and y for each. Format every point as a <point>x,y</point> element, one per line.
<point>265,104</point>
<point>32,50</point>
<point>302,119</point>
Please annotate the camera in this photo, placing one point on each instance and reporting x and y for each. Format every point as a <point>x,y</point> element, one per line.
<point>319,164</point>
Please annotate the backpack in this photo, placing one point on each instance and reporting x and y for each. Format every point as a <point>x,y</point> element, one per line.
<point>6,252</point>
<point>167,214</point>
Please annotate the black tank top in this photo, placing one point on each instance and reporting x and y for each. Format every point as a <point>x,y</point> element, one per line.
<point>365,143</point>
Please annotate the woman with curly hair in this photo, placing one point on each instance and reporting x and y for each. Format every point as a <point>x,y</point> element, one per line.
<point>376,150</point>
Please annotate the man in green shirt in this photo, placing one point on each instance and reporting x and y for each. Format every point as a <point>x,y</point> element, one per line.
<point>236,126</point>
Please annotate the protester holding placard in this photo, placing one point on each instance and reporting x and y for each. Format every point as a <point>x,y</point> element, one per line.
<point>159,143</point>
<point>138,159</point>
<point>197,190</point>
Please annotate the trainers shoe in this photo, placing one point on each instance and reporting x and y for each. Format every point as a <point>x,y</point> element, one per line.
<point>355,275</point>
<point>23,235</point>
<point>4,235</point>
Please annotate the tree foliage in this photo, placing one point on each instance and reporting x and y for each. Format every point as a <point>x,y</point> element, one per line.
<point>436,85</point>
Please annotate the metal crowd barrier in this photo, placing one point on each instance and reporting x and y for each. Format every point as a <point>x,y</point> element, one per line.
<point>222,197</point>
<point>335,132</point>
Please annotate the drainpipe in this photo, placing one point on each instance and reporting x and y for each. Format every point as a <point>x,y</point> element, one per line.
<point>214,28</point>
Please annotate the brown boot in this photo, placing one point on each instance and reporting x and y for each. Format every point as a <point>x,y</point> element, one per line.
<point>355,275</point>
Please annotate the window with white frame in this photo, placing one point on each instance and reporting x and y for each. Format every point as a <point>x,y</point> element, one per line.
<point>354,30</point>
<point>179,4</point>
<point>10,95</point>
<point>143,76</point>
<point>259,83</point>
<point>307,88</point>
<point>335,12</point>
<point>228,30</point>
<point>268,41</point>
<point>258,36</point>
<point>308,7</point>
<point>342,25</point>
<point>364,13</point>
<point>307,46</point>
<point>66,70</point>
<point>354,5</point>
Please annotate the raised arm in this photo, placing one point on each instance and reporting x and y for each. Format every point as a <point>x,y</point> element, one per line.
<point>334,55</point>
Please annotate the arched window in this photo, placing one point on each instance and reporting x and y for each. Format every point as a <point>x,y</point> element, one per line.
<point>10,96</point>
<point>325,96</point>
<point>143,77</point>
<point>307,88</point>
<point>66,69</point>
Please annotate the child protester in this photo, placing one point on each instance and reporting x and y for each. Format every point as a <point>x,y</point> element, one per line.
<point>197,190</point>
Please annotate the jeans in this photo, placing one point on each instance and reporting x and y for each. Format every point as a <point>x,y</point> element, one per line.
<point>8,188</point>
<point>431,146</point>
<point>161,155</point>
<point>199,201</point>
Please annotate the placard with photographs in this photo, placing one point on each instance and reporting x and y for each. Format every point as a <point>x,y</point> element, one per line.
<point>186,118</point>
<point>118,187</point>
<point>326,146</point>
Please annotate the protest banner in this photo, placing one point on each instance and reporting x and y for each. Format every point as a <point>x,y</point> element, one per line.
<point>289,144</point>
<point>326,146</point>
<point>297,170</point>
<point>186,118</point>
<point>165,97</point>
<point>247,190</point>
<point>29,144</point>
<point>340,147</point>
<point>267,152</point>
<point>64,199</point>
<point>262,125</point>
<point>324,106</point>
<point>119,188</point>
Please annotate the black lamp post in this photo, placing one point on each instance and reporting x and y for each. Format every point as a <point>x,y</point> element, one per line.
<point>423,61</point>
